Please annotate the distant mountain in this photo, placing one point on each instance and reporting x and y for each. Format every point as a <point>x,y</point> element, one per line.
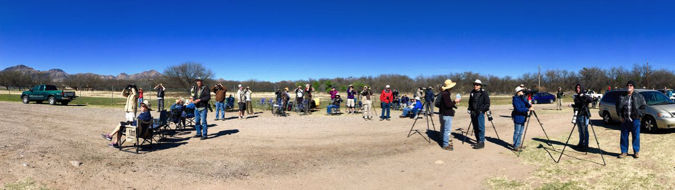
<point>58,75</point>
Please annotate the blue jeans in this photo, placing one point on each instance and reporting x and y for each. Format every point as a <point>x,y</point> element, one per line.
<point>634,129</point>
<point>140,100</point>
<point>220,110</point>
<point>412,112</point>
<point>386,107</point>
<point>478,122</point>
<point>330,107</point>
<point>582,123</point>
<point>160,104</point>
<point>517,135</point>
<point>446,125</point>
<point>200,121</point>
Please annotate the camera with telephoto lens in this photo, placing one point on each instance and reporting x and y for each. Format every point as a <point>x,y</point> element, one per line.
<point>574,118</point>
<point>489,115</point>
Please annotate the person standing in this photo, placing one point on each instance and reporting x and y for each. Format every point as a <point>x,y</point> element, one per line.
<point>200,97</point>
<point>241,101</point>
<point>479,103</point>
<point>160,96</point>
<point>583,114</point>
<point>386,98</point>
<point>631,108</point>
<point>350,99</point>
<point>519,114</point>
<point>220,92</point>
<point>140,97</point>
<point>419,93</point>
<point>428,99</point>
<point>298,98</point>
<point>130,108</point>
<point>559,96</point>
<point>447,108</point>
<point>249,101</point>
<point>366,95</point>
<point>333,92</point>
<point>308,98</point>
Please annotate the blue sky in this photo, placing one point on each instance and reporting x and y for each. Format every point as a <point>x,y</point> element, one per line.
<point>289,40</point>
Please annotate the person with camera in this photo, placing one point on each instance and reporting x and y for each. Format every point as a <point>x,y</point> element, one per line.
<point>582,115</point>
<point>630,107</point>
<point>447,108</point>
<point>160,96</point>
<point>479,103</point>
<point>200,97</point>
<point>366,95</point>
<point>220,92</point>
<point>351,103</point>
<point>131,95</point>
<point>521,107</point>
<point>386,98</point>
<point>428,99</point>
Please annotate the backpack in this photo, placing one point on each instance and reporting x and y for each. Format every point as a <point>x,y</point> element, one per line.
<point>438,101</point>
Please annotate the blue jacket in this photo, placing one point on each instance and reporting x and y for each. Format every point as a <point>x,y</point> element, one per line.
<point>418,105</point>
<point>520,108</point>
<point>145,116</point>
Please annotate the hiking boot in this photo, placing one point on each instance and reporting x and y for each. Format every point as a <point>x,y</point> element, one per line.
<point>636,155</point>
<point>203,137</point>
<point>623,155</point>
<point>479,145</point>
<point>388,119</point>
<point>381,119</point>
<point>197,136</point>
<point>448,148</point>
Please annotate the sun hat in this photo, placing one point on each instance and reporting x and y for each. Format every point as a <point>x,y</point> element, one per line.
<point>518,89</point>
<point>448,84</point>
<point>478,82</point>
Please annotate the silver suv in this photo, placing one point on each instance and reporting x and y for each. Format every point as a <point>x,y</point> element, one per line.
<point>659,114</point>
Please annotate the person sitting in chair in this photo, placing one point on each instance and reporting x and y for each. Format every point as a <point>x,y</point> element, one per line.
<point>117,132</point>
<point>334,105</point>
<point>412,110</point>
<point>177,112</point>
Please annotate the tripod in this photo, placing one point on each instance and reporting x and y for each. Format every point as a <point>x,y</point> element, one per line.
<point>491,122</point>
<point>428,115</point>
<point>529,117</point>
<point>596,140</point>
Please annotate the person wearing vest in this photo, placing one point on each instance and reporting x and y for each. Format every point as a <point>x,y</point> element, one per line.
<point>583,114</point>
<point>308,98</point>
<point>249,101</point>
<point>519,114</point>
<point>630,108</point>
<point>366,95</point>
<point>479,103</point>
<point>200,97</point>
<point>446,108</point>
<point>386,98</point>
<point>220,92</point>
<point>160,96</point>
<point>241,101</point>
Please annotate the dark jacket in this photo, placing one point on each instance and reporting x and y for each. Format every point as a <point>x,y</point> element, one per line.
<point>581,102</point>
<point>204,97</point>
<point>520,109</point>
<point>479,101</point>
<point>429,95</point>
<point>636,109</point>
<point>447,104</point>
<point>220,93</point>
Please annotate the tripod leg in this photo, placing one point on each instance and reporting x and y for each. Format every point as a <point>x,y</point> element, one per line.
<point>525,132</point>
<point>412,127</point>
<point>431,117</point>
<point>565,146</point>
<point>598,142</point>
<point>467,132</point>
<point>495,128</point>
<point>542,129</point>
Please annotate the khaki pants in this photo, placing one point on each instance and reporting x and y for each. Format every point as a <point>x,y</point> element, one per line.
<point>249,107</point>
<point>560,103</point>
<point>367,105</point>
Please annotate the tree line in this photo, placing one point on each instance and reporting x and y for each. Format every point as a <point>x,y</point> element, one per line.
<point>180,78</point>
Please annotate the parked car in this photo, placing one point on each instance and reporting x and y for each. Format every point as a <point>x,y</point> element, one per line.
<point>666,92</point>
<point>48,93</point>
<point>595,96</point>
<point>659,114</point>
<point>542,97</point>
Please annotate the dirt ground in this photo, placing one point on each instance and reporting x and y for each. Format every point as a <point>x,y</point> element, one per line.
<point>38,143</point>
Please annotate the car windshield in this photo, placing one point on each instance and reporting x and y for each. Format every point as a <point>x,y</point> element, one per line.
<point>655,98</point>
<point>51,87</point>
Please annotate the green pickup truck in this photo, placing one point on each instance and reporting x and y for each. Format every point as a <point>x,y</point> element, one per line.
<point>48,93</point>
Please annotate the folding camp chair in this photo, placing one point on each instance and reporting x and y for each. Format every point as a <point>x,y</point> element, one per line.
<point>189,116</point>
<point>139,135</point>
<point>176,118</point>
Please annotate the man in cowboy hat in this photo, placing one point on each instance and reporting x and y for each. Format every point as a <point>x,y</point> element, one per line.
<point>200,97</point>
<point>386,98</point>
<point>447,112</point>
<point>520,109</point>
<point>479,103</point>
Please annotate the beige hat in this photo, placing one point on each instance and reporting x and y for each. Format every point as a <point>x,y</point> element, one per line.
<point>448,84</point>
<point>478,82</point>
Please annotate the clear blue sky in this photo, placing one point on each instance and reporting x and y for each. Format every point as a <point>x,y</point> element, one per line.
<point>289,40</point>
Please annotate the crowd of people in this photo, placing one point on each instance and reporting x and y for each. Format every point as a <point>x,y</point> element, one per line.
<point>630,108</point>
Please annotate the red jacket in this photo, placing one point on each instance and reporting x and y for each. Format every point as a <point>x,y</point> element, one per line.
<point>386,97</point>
